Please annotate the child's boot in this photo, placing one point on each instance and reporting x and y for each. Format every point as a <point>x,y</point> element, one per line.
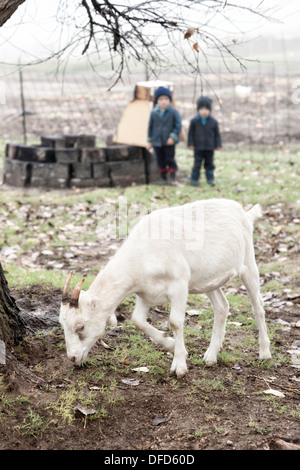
<point>210,177</point>
<point>163,175</point>
<point>195,177</point>
<point>173,177</point>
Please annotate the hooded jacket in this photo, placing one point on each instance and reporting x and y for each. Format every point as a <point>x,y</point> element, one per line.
<point>164,125</point>
<point>204,136</point>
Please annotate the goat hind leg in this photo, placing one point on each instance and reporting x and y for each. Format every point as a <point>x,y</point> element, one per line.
<point>112,320</point>
<point>221,310</point>
<point>250,277</point>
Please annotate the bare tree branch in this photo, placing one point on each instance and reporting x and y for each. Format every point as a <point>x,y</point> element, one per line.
<point>151,33</point>
<point>7,9</point>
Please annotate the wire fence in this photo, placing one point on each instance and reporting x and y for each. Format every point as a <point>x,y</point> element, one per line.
<point>256,107</point>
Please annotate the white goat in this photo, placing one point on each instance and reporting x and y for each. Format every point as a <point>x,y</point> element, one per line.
<point>195,248</point>
<point>243,92</point>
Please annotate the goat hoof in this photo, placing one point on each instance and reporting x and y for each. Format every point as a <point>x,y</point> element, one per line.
<point>266,355</point>
<point>112,321</point>
<point>210,363</point>
<point>210,359</point>
<point>181,373</point>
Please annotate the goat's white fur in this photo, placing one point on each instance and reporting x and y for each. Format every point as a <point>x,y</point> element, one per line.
<point>196,256</point>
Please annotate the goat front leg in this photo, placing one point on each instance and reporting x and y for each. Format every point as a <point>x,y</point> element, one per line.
<point>177,315</point>
<point>139,318</point>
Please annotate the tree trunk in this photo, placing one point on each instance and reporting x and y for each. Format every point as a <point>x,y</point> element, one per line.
<point>12,330</point>
<point>7,8</point>
<point>12,326</point>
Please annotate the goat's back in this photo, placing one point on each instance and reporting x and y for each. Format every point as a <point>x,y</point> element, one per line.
<point>199,241</point>
<point>200,220</point>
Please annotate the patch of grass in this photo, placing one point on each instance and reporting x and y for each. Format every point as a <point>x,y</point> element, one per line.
<point>33,425</point>
<point>201,432</point>
<point>78,394</point>
<point>272,285</point>
<point>219,430</point>
<point>137,350</point>
<point>21,275</point>
<point>255,428</point>
<point>8,403</point>
<point>280,407</point>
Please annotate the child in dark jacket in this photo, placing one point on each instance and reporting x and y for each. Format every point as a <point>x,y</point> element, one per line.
<point>204,138</point>
<point>163,133</point>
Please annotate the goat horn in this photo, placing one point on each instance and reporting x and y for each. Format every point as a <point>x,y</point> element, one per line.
<point>75,294</point>
<point>65,293</point>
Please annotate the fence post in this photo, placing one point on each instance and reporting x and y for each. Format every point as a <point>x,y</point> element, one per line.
<point>23,106</point>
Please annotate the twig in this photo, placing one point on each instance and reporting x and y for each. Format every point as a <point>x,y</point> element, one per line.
<point>295,390</point>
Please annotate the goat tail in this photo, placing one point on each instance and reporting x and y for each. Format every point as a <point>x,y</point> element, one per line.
<point>254,213</point>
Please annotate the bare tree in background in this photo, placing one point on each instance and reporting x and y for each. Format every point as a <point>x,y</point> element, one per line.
<point>161,35</point>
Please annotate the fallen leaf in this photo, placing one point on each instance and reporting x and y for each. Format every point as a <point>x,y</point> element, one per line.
<point>160,419</point>
<point>82,410</point>
<point>105,345</point>
<point>195,47</point>
<point>296,379</point>
<point>132,382</point>
<point>85,411</point>
<point>141,369</point>
<point>193,312</point>
<point>271,391</point>
<point>295,356</point>
<point>160,311</point>
<point>47,252</point>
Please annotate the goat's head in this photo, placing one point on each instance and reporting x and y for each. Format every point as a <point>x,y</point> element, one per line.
<point>82,326</point>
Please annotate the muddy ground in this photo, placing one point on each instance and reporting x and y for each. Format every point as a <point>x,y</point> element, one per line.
<point>233,412</point>
<point>222,407</point>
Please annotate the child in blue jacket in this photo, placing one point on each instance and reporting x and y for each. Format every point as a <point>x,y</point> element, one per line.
<point>204,138</point>
<point>163,133</point>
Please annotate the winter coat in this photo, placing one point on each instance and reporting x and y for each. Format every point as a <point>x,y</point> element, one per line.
<point>161,127</point>
<point>204,136</point>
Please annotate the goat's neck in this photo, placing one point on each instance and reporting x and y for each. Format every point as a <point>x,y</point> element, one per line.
<point>112,285</point>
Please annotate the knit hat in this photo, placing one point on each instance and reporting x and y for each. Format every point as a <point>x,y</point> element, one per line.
<point>204,102</point>
<point>162,91</point>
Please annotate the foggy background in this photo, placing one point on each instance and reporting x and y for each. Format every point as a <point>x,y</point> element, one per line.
<point>68,96</point>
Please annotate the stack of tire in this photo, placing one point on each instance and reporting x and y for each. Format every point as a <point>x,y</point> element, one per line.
<point>67,161</point>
